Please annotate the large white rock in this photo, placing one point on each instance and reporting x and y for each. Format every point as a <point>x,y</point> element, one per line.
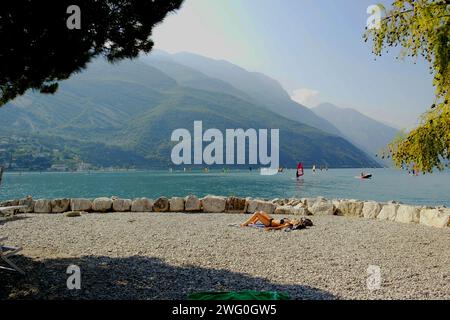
<point>10,203</point>
<point>260,205</point>
<point>355,208</point>
<point>176,204</point>
<point>142,205</point>
<point>43,206</point>
<point>408,214</point>
<point>293,202</point>
<point>121,205</point>
<point>214,204</point>
<point>299,209</point>
<point>371,209</point>
<point>192,204</point>
<point>388,212</point>
<point>80,205</point>
<point>309,202</point>
<point>341,206</point>
<point>322,208</point>
<point>102,205</point>
<point>60,205</point>
<point>438,218</point>
<point>280,202</point>
<point>285,210</point>
<point>349,208</point>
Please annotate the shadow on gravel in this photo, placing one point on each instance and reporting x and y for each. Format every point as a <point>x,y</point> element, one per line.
<point>132,278</point>
<point>5,220</point>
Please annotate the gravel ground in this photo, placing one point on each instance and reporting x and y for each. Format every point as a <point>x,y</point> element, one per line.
<point>169,255</point>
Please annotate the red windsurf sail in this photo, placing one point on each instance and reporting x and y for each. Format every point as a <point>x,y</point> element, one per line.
<point>300,171</point>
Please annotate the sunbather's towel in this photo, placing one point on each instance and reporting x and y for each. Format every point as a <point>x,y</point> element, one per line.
<point>257,225</point>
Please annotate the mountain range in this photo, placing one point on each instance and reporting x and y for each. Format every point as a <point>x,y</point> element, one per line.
<point>370,135</point>
<point>124,114</point>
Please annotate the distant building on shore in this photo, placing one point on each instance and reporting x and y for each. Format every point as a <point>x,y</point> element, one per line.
<point>83,166</point>
<point>58,167</point>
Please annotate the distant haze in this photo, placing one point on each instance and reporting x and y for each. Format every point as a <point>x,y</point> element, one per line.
<point>314,48</point>
<point>368,134</point>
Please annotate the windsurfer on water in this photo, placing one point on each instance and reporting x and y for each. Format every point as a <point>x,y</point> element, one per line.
<point>300,171</point>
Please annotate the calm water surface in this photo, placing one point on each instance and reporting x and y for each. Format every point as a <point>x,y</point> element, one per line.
<point>387,184</point>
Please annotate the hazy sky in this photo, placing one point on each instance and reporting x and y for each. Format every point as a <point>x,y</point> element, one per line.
<point>313,47</point>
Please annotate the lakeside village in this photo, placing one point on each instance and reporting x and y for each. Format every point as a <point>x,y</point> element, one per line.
<point>21,154</point>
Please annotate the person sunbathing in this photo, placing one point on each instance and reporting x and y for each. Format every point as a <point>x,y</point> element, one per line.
<point>275,224</point>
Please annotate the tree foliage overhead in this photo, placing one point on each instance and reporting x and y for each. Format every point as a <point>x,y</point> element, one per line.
<point>422,29</point>
<point>38,49</point>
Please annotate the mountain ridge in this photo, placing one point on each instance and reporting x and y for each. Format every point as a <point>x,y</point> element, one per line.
<point>261,89</point>
<point>132,108</point>
<point>367,133</point>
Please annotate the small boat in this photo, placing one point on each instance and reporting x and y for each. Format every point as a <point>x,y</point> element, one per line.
<point>366,176</point>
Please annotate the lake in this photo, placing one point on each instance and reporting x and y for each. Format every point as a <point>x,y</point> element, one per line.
<point>387,184</point>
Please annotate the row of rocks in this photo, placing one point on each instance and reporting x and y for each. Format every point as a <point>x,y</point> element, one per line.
<point>392,211</point>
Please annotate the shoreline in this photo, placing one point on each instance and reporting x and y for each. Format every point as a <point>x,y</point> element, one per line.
<point>387,185</point>
<point>391,211</point>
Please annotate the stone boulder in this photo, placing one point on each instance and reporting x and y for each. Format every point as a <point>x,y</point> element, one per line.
<point>294,202</point>
<point>371,209</point>
<point>73,214</point>
<point>142,205</point>
<point>102,205</point>
<point>15,203</point>
<point>80,205</point>
<point>29,203</point>
<point>235,205</point>
<point>192,204</point>
<point>349,208</point>
<point>408,214</point>
<point>176,204</point>
<point>302,210</point>
<point>355,208</point>
<point>299,210</point>
<point>214,204</point>
<point>121,205</point>
<point>7,213</point>
<point>322,208</point>
<point>43,206</point>
<point>161,205</point>
<point>279,202</point>
<point>10,203</point>
<point>438,218</point>
<point>260,205</point>
<point>309,202</point>
<point>284,210</point>
<point>388,212</point>
<point>60,205</point>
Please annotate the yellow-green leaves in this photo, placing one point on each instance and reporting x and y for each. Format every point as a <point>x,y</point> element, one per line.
<point>422,29</point>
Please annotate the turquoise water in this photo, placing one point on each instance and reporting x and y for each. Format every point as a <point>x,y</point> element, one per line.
<point>387,184</point>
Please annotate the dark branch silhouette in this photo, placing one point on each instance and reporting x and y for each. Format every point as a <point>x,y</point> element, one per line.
<point>38,49</point>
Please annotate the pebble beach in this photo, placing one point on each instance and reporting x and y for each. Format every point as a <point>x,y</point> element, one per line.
<point>170,255</point>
